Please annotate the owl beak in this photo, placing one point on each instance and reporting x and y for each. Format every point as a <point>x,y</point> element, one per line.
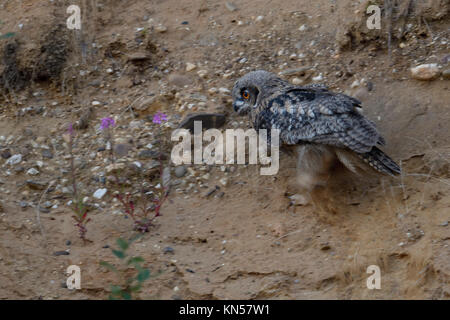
<point>237,105</point>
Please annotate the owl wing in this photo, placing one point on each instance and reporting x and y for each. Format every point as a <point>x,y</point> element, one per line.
<point>308,114</point>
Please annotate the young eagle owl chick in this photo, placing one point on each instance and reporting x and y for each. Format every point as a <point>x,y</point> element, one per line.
<point>325,126</point>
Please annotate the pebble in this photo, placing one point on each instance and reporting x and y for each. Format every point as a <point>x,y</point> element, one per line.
<point>298,200</point>
<point>190,66</point>
<point>32,172</point>
<point>202,73</point>
<point>150,154</point>
<point>230,6</point>
<point>425,72</point>
<point>295,72</point>
<point>297,81</point>
<point>35,185</point>
<point>168,250</point>
<point>180,171</point>
<point>47,154</point>
<point>224,181</point>
<point>44,210</point>
<point>122,149</point>
<point>224,90</point>
<point>446,74</point>
<point>15,159</point>
<point>210,192</point>
<point>161,28</point>
<point>318,78</point>
<point>61,253</point>
<point>5,154</point>
<point>99,193</point>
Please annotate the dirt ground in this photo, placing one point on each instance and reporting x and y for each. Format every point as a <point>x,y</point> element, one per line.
<point>245,240</point>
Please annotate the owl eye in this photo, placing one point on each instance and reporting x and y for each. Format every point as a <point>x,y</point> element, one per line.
<point>245,94</point>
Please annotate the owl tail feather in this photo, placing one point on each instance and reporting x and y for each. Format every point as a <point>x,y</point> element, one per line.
<point>378,160</point>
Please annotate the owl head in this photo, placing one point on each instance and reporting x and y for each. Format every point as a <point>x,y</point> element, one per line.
<point>248,90</point>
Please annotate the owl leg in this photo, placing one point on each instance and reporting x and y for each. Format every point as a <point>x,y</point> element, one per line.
<point>313,171</point>
<point>313,165</point>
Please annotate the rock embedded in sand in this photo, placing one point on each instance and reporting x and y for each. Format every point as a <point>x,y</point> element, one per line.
<point>15,159</point>
<point>180,171</point>
<point>98,194</point>
<point>230,6</point>
<point>446,74</point>
<point>190,66</point>
<point>425,72</point>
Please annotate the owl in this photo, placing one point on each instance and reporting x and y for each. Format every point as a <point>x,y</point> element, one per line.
<point>325,127</point>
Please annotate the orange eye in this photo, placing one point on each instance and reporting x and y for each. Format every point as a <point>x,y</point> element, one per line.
<point>245,94</point>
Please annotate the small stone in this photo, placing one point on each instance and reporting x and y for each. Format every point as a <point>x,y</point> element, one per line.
<point>213,190</point>
<point>46,153</point>
<point>138,57</point>
<point>61,253</point>
<point>297,81</point>
<point>295,72</point>
<point>446,74</point>
<point>230,6</point>
<point>179,80</point>
<point>325,246</point>
<point>5,154</point>
<point>68,243</point>
<point>259,18</point>
<point>425,72</point>
<point>44,210</point>
<point>161,28</point>
<point>168,250</point>
<point>19,169</point>
<point>32,172</point>
<point>35,185</point>
<point>115,167</point>
<point>99,193</point>
<point>224,181</point>
<point>202,73</point>
<point>209,120</point>
<point>224,90</point>
<point>180,171</point>
<point>96,103</point>
<point>220,195</point>
<point>151,154</point>
<point>190,66</point>
<point>47,204</point>
<point>122,149</point>
<point>318,78</point>
<point>303,28</point>
<point>444,224</point>
<point>298,200</point>
<point>15,159</point>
